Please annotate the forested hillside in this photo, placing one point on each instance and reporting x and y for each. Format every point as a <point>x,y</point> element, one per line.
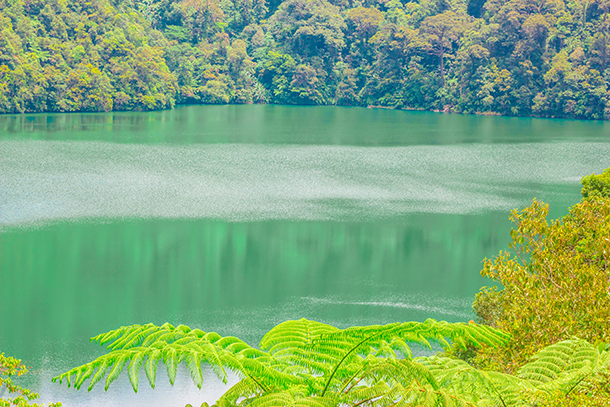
<point>547,58</point>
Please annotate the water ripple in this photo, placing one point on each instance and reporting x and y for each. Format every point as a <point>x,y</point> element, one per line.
<point>46,181</point>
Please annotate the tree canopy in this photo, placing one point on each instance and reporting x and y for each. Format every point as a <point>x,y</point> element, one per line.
<point>547,58</point>
<point>556,279</point>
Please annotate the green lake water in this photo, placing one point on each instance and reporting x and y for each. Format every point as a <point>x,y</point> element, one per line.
<point>235,218</point>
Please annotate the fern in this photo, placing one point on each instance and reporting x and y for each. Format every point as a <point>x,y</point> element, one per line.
<point>311,364</point>
<point>147,345</point>
<point>564,365</point>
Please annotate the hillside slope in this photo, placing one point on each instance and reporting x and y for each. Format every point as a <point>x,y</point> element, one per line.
<point>548,58</point>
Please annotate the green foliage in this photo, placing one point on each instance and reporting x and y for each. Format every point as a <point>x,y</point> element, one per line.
<point>300,362</point>
<point>571,372</point>
<point>488,305</point>
<point>597,185</point>
<point>555,281</point>
<point>72,56</point>
<point>20,397</point>
<point>307,363</point>
<point>516,57</point>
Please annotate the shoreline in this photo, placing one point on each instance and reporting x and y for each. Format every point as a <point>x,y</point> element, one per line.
<point>447,110</point>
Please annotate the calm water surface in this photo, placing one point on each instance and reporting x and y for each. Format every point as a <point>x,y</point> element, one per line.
<point>235,218</point>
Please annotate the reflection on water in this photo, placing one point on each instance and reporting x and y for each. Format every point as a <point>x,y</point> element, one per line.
<point>236,218</point>
<point>296,125</point>
<point>97,277</point>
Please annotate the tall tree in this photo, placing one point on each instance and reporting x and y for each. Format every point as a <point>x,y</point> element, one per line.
<point>440,33</point>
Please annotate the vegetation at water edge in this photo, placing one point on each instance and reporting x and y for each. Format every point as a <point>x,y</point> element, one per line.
<point>547,58</point>
<point>543,341</point>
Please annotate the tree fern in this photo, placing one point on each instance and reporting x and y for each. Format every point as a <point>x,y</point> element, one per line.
<point>290,349</point>
<point>311,364</point>
<point>562,366</point>
<point>475,385</point>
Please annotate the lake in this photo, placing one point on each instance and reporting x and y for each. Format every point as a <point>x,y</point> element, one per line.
<point>235,218</point>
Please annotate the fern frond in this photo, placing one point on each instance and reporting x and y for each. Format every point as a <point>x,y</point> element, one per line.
<point>412,394</point>
<point>389,382</point>
<point>315,401</point>
<point>272,400</point>
<point>398,335</point>
<point>117,368</point>
<point>148,344</point>
<point>244,389</point>
<point>287,399</point>
<point>563,357</point>
<point>291,343</point>
<point>304,362</point>
<point>103,364</point>
<point>564,365</point>
<point>477,386</point>
<point>342,348</point>
<point>154,356</point>
<point>134,370</point>
<point>365,394</point>
<point>171,358</point>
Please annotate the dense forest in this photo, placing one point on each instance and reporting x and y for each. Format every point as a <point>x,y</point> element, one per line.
<point>548,58</point>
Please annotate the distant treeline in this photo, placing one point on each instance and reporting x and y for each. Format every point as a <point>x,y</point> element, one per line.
<point>547,58</point>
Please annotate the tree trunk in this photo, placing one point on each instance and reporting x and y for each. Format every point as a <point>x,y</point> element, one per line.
<point>442,63</point>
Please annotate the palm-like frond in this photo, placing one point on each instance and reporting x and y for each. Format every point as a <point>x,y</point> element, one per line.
<point>147,345</point>
<point>477,386</point>
<point>310,364</point>
<point>343,348</point>
<point>292,342</point>
<point>288,399</point>
<point>563,365</point>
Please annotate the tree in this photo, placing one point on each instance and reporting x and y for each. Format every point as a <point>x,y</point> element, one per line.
<point>596,185</point>
<point>365,21</point>
<point>546,58</point>
<point>276,74</point>
<point>202,17</point>
<point>440,32</point>
<point>600,52</point>
<point>309,29</point>
<point>306,86</point>
<point>556,281</point>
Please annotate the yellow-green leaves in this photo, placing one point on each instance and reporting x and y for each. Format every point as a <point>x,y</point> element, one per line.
<point>556,279</point>
<point>18,396</point>
<point>303,363</point>
<point>596,185</point>
<point>147,345</point>
<point>311,364</point>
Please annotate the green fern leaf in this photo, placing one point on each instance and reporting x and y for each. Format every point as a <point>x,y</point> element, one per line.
<point>134,370</point>
<point>193,363</point>
<point>173,345</point>
<point>287,399</point>
<point>154,356</point>
<point>106,362</point>
<point>171,360</point>
<point>116,369</point>
<point>557,359</point>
